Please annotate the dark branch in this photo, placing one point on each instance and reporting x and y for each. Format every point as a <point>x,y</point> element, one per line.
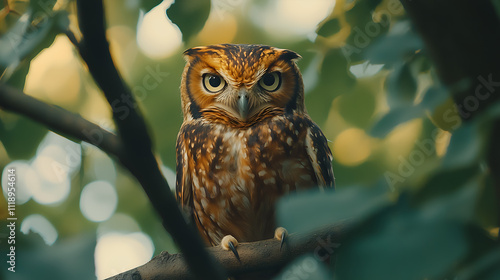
<point>256,256</point>
<point>68,124</point>
<point>131,126</point>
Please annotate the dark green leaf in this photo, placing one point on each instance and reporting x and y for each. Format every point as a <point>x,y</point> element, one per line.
<point>486,268</point>
<point>401,244</point>
<point>445,182</point>
<point>364,31</point>
<point>334,79</point>
<point>189,15</point>
<point>21,139</point>
<point>358,106</point>
<point>66,259</point>
<point>459,205</point>
<point>42,8</point>
<point>394,118</point>
<point>24,40</point>
<point>307,267</point>
<point>401,86</point>
<point>147,5</point>
<point>434,97</point>
<point>18,77</point>
<point>465,147</point>
<point>307,211</point>
<point>329,28</point>
<point>394,48</point>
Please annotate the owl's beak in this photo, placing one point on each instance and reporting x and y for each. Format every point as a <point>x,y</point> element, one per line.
<point>243,104</point>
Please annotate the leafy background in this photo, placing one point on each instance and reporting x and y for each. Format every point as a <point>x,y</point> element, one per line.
<point>408,172</point>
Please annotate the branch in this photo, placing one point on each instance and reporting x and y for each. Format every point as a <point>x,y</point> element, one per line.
<point>463,39</point>
<point>60,121</point>
<point>256,256</point>
<point>140,160</point>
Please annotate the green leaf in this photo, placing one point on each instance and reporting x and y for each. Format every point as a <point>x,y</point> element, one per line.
<point>394,118</point>
<point>21,138</point>
<point>364,31</point>
<point>465,147</point>
<point>42,9</point>
<point>445,182</point>
<point>433,97</point>
<point>147,5</point>
<point>329,28</point>
<point>486,268</point>
<point>401,243</point>
<point>401,86</point>
<point>18,77</point>
<point>24,40</point>
<point>354,111</point>
<point>307,211</point>
<point>458,205</point>
<point>53,262</point>
<point>334,79</point>
<point>189,15</point>
<point>392,49</point>
<point>307,267</point>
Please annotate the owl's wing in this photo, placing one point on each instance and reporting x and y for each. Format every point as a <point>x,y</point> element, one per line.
<point>183,183</point>
<point>320,156</point>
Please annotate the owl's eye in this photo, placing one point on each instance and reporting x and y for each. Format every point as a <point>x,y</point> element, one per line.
<point>270,81</point>
<point>213,83</point>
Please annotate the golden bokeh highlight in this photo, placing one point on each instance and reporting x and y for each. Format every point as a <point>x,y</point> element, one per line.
<point>401,140</point>
<point>352,147</point>
<point>54,74</point>
<point>96,109</point>
<point>218,29</point>
<point>123,47</point>
<point>64,92</point>
<point>494,232</point>
<point>442,142</point>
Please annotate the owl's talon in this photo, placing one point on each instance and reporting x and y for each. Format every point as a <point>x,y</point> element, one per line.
<point>281,234</point>
<point>230,243</point>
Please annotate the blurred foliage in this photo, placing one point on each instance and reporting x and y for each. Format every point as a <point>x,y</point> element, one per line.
<point>182,14</point>
<point>411,177</point>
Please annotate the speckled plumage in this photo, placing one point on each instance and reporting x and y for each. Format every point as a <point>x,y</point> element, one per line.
<point>231,169</point>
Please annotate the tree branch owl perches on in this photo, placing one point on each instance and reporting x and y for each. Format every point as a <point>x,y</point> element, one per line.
<point>246,140</point>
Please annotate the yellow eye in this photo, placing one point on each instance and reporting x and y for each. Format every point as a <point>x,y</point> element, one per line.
<point>213,83</point>
<point>270,81</point>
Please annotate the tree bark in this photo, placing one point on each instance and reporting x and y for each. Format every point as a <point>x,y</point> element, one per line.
<point>257,256</point>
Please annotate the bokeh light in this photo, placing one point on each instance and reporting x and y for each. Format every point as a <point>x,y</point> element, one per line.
<point>56,160</point>
<point>219,28</point>
<point>365,69</point>
<point>118,223</point>
<point>101,167</point>
<point>169,174</point>
<point>288,19</point>
<point>57,63</point>
<point>157,36</point>
<point>39,224</point>
<point>352,147</point>
<point>24,184</point>
<point>98,201</point>
<point>117,252</point>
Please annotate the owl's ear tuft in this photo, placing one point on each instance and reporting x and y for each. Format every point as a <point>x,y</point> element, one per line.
<point>190,54</point>
<point>289,55</point>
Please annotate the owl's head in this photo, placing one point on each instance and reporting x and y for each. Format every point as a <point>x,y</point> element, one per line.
<point>240,84</point>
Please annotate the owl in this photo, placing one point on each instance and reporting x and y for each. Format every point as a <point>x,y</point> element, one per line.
<point>246,140</point>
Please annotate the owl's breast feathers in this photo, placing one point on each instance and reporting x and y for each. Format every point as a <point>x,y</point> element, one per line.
<point>229,178</point>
